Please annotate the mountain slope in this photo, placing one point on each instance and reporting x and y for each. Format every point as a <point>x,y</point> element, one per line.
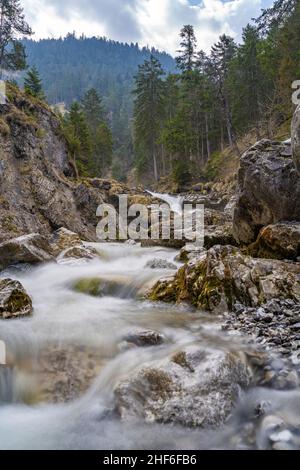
<point>71,66</point>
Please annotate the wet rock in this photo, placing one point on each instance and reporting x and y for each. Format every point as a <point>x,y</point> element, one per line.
<point>110,286</point>
<point>78,252</point>
<point>279,241</point>
<point>160,264</point>
<point>145,338</point>
<point>194,387</point>
<point>65,373</point>
<point>223,276</point>
<point>29,249</point>
<point>14,300</point>
<point>272,326</point>
<point>296,138</point>
<point>268,190</point>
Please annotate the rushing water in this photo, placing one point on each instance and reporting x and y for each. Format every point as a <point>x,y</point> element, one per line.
<point>96,326</point>
<point>175,202</point>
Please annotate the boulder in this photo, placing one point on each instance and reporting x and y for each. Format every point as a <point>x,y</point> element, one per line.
<point>14,300</point>
<point>116,286</point>
<point>268,190</point>
<point>160,264</point>
<point>194,387</point>
<point>63,239</point>
<point>296,138</point>
<point>279,241</point>
<point>222,276</point>
<point>144,338</point>
<point>78,252</point>
<point>33,248</point>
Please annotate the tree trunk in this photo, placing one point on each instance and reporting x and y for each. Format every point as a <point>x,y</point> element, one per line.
<point>207,137</point>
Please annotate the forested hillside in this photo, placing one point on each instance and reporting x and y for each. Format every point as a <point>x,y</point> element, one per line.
<point>166,117</point>
<point>71,66</point>
<point>184,121</point>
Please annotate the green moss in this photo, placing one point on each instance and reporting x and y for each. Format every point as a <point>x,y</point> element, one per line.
<point>40,133</point>
<point>18,301</point>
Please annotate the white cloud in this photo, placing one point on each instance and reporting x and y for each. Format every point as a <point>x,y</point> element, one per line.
<point>150,22</point>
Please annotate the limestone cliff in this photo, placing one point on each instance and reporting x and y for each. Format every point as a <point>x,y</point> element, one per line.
<point>38,191</point>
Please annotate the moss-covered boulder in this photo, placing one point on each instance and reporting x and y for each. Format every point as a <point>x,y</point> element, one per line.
<point>100,287</point>
<point>224,275</point>
<point>14,300</point>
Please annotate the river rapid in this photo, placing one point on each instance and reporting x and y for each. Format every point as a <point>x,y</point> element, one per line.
<point>70,333</point>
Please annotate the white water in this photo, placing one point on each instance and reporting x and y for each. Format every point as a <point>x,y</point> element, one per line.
<point>63,317</point>
<point>175,202</point>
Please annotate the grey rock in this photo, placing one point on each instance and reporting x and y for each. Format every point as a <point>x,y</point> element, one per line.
<point>160,264</point>
<point>194,387</point>
<point>33,248</point>
<point>145,338</point>
<point>268,190</point>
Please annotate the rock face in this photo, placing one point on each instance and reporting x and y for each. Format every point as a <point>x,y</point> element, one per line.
<point>33,248</point>
<point>38,191</point>
<point>296,138</point>
<point>279,241</point>
<point>194,387</point>
<point>14,300</point>
<point>223,276</point>
<point>268,190</point>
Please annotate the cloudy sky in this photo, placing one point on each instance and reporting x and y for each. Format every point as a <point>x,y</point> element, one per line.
<point>149,22</point>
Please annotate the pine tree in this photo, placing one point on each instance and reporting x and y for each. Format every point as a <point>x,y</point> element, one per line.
<point>33,84</point>
<point>248,82</point>
<point>12,25</point>
<point>187,54</point>
<point>276,15</point>
<point>220,60</point>
<point>101,135</point>
<point>92,107</point>
<point>79,139</point>
<point>148,111</point>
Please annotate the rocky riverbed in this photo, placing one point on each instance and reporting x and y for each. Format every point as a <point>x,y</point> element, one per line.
<point>159,345</point>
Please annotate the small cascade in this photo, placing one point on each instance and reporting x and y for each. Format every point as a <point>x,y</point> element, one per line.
<point>175,202</point>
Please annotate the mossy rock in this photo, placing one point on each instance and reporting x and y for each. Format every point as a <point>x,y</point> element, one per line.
<point>97,287</point>
<point>91,287</point>
<point>14,300</point>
